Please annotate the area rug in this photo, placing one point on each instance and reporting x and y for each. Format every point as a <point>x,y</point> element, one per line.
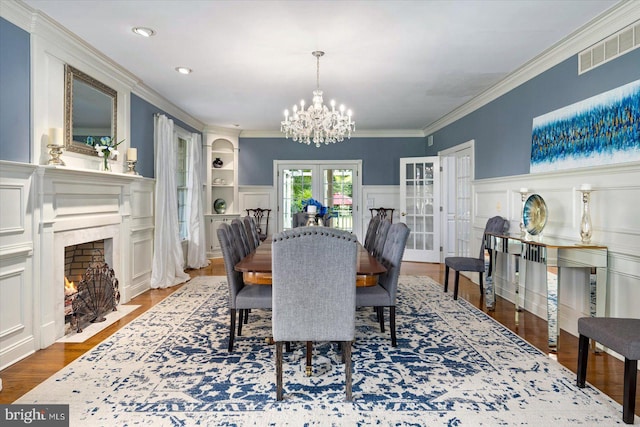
<point>453,366</point>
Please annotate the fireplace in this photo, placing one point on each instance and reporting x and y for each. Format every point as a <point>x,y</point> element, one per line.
<point>91,289</point>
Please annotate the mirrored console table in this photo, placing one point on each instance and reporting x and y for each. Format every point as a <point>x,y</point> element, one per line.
<point>555,254</point>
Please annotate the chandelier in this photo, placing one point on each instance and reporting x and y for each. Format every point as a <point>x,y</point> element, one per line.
<point>318,123</point>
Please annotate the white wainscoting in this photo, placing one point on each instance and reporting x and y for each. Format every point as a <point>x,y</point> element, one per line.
<point>18,338</point>
<point>616,224</point>
<point>43,210</point>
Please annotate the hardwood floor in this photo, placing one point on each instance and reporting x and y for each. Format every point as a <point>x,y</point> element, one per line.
<point>604,371</point>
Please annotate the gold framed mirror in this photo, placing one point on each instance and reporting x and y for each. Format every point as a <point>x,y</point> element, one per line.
<point>91,110</point>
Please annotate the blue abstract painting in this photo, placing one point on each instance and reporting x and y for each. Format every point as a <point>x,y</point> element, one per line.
<point>600,130</point>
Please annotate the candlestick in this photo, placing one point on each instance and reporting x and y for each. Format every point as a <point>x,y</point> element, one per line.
<point>585,223</point>
<point>131,167</point>
<point>523,198</point>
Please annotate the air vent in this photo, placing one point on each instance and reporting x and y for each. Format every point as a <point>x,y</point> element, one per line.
<point>604,51</point>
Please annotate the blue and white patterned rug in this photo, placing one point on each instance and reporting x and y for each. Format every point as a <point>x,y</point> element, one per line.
<point>453,366</point>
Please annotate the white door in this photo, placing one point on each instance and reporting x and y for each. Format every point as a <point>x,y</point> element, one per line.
<point>456,193</point>
<point>336,185</point>
<point>420,207</point>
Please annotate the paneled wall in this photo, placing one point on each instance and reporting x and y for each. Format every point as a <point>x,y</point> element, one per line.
<point>615,224</point>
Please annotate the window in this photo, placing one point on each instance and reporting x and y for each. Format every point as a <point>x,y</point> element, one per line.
<point>181,183</point>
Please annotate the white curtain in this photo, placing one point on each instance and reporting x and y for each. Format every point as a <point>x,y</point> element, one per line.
<point>197,245</point>
<point>167,248</point>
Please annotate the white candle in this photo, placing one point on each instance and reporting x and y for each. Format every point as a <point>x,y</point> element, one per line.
<point>585,187</point>
<point>132,154</point>
<point>312,209</point>
<point>55,136</point>
<point>524,190</point>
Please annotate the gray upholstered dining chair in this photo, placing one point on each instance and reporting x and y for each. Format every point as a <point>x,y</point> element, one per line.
<point>496,224</point>
<point>241,298</point>
<point>314,292</point>
<point>252,232</point>
<point>241,240</point>
<point>370,236</point>
<point>384,293</point>
<point>381,237</point>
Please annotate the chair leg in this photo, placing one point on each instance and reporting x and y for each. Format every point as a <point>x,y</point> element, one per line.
<point>583,353</point>
<point>346,351</point>
<point>287,346</point>
<point>309,353</point>
<point>241,314</point>
<point>455,285</point>
<point>381,318</point>
<point>232,328</point>
<point>446,278</point>
<point>279,370</point>
<point>246,315</point>
<point>481,284</point>
<point>392,325</point>
<point>629,396</point>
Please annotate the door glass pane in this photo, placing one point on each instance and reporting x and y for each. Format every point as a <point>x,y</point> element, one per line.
<point>338,196</point>
<point>296,187</point>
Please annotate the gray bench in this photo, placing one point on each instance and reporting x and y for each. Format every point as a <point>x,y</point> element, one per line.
<point>621,336</point>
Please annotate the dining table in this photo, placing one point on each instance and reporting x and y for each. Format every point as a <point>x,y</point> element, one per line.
<point>256,266</point>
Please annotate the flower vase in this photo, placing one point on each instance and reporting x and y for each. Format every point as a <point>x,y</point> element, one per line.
<point>105,165</point>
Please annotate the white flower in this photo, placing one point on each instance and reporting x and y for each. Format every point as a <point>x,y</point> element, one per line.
<point>99,149</point>
<point>113,153</point>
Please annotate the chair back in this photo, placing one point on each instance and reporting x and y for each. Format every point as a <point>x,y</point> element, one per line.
<point>382,213</point>
<point>237,223</point>
<point>370,237</point>
<point>391,257</point>
<point>242,249</point>
<point>299,219</point>
<point>261,216</point>
<point>313,285</point>
<point>231,258</point>
<point>496,224</point>
<point>252,232</point>
<point>381,237</point>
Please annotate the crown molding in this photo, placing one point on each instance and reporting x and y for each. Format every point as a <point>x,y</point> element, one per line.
<point>43,27</point>
<point>390,133</point>
<point>618,17</point>
<point>217,130</point>
<point>18,13</point>
<point>153,97</point>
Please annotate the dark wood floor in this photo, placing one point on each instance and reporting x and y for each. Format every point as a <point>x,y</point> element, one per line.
<point>604,372</point>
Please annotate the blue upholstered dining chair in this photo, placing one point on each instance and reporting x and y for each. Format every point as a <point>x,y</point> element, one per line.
<point>384,293</point>
<point>241,298</point>
<point>370,236</point>
<point>314,291</point>
<point>496,224</point>
<point>252,232</point>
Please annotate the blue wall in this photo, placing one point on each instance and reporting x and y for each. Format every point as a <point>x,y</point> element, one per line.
<point>380,157</point>
<point>502,128</point>
<point>15,93</point>
<point>142,133</point>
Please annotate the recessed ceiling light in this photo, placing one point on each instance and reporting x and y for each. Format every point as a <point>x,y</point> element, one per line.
<point>143,31</point>
<point>183,70</point>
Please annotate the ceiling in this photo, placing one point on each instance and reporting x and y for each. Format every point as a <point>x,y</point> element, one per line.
<point>399,65</point>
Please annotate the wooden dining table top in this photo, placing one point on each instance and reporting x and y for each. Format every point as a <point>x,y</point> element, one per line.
<point>256,267</point>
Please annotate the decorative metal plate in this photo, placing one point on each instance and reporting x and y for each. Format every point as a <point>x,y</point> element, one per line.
<point>534,214</point>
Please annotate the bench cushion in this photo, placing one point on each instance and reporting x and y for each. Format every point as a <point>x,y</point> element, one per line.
<point>619,334</point>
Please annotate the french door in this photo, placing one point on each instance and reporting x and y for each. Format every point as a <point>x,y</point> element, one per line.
<point>420,207</point>
<point>336,185</point>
